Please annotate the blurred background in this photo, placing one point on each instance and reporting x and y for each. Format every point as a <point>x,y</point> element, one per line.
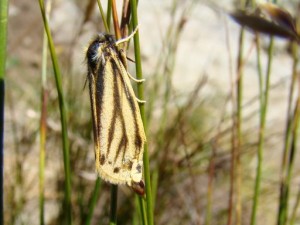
<point>203,167</point>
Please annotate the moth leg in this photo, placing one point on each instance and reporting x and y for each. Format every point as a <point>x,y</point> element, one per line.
<point>134,79</point>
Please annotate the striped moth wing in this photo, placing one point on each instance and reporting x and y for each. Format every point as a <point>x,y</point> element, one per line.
<point>119,135</point>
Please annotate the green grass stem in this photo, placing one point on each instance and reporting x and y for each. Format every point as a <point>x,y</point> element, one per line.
<point>291,161</point>
<point>154,186</point>
<point>63,117</point>
<point>295,209</point>
<point>140,95</point>
<point>3,36</point>
<point>43,129</point>
<point>263,115</point>
<point>103,16</point>
<point>136,214</point>
<point>3,46</point>
<point>286,183</point>
<point>93,201</point>
<point>142,209</point>
<point>114,188</point>
<point>139,215</point>
<point>108,13</point>
<point>113,205</point>
<point>288,141</point>
<point>238,175</point>
<point>43,122</point>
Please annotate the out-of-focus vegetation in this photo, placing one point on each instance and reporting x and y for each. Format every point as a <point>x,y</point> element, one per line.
<point>204,148</point>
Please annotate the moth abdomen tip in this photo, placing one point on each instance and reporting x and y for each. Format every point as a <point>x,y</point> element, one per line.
<point>138,187</point>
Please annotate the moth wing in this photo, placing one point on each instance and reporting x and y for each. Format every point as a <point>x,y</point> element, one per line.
<point>120,132</point>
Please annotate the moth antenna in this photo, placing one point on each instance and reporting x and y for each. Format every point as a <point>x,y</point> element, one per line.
<point>134,79</point>
<point>128,37</point>
<point>140,101</point>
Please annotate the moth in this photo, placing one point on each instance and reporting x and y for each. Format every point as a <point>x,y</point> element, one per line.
<point>118,129</point>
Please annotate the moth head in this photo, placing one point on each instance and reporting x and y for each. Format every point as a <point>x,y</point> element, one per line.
<point>97,47</point>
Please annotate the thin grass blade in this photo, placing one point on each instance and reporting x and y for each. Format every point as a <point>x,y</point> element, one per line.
<point>63,117</point>
<point>3,45</point>
<point>140,95</point>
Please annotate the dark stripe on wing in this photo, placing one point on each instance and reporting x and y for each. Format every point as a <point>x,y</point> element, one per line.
<point>138,139</point>
<point>99,94</point>
<point>115,109</point>
<point>117,113</point>
<point>123,144</point>
<point>92,97</point>
<point>96,87</point>
<point>131,99</point>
